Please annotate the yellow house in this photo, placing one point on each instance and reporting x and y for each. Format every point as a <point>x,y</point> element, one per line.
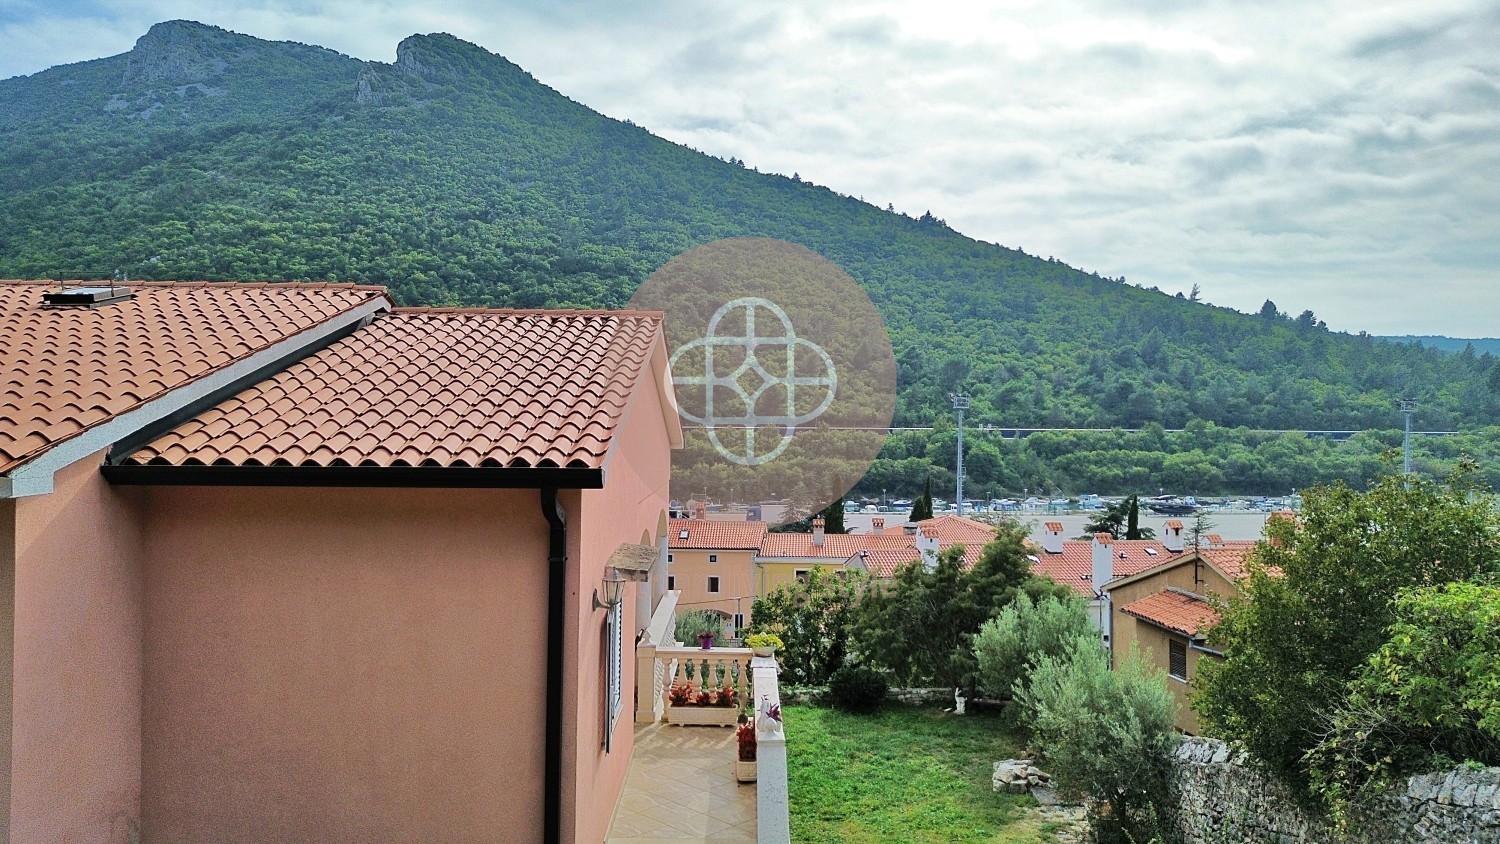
<point>787,557</point>
<point>711,563</point>
<point>1165,610</point>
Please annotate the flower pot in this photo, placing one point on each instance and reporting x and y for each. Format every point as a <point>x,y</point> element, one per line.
<point>744,771</point>
<point>763,651</point>
<point>706,642</point>
<point>703,716</point>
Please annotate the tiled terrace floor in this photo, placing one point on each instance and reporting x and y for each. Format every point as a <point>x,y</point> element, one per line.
<point>681,788</point>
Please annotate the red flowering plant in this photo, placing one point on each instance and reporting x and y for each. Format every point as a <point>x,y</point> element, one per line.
<point>689,694</point>
<point>745,735</point>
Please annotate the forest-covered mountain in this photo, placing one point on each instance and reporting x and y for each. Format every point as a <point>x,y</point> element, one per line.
<point>455,177</point>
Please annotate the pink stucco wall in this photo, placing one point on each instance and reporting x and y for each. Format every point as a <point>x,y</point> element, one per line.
<point>630,508</point>
<point>343,665</point>
<point>7,651</point>
<point>76,734</point>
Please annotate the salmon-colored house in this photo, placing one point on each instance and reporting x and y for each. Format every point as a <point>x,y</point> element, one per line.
<point>285,563</point>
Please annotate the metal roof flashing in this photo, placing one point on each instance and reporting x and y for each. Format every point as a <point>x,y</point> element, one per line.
<point>35,476</point>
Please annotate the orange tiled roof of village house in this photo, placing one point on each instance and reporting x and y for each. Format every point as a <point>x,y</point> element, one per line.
<point>951,529</point>
<point>434,387</point>
<point>716,534</point>
<point>1077,559</point>
<point>840,546</point>
<point>1229,558</point>
<point>66,369</point>
<point>883,562</point>
<point>1174,610</point>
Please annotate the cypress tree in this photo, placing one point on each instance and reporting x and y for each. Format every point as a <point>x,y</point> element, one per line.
<point>922,510</point>
<point>833,517</point>
<point>1133,521</point>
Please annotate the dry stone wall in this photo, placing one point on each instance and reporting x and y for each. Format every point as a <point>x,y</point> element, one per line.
<point>1222,798</point>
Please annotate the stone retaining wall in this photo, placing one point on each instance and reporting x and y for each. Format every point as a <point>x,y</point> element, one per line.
<point>1223,799</point>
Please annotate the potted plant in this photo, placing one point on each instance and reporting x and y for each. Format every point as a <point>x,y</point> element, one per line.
<point>706,639</point>
<point>744,765</point>
<point>763,644</point>
<point>705,705</point>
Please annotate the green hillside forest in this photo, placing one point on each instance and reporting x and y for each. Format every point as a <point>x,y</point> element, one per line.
<point>455,178</point>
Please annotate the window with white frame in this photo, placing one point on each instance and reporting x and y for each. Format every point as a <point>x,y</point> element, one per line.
<point>801,575</point>
<point>739,621</point>
<point>669,558</point>
<point>713,558</point>
<point>713,585</point>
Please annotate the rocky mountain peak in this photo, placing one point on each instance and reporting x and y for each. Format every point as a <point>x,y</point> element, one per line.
<point>182,51</point>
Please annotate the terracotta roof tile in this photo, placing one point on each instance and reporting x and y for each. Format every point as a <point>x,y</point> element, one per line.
<point>1077,559</point>
<point>951,529</point>
<point>883,562</point>
<point>717,534</point>
<point>435,387</point>
<point>1230,558</point>
<point>836,546</point>
<point>66,369</point>
<point>1174,610</point>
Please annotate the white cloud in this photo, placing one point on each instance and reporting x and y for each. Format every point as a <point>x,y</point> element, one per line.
<point>1338,156</point>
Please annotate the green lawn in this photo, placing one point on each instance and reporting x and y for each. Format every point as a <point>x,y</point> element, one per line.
<point>904,774</point>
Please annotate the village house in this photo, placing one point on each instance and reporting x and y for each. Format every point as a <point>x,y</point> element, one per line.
<point>287,563</point>
<point>711,564</point>
<point>885,551</point>
<point>1164,612</point>
<point>1084,566</point>
<point>787,557</point>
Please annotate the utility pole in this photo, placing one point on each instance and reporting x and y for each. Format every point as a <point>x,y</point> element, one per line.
<point>1408,406</point>
<point>960,404</point>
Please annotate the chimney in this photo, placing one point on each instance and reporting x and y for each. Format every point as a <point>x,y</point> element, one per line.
<point>877,526</point>
<point>927,546</point>
<point>700,509</point>
<point>818,532</point>
<point>1171,536</point>
<point>1052,539</point>
<point>1104,561</point>
<point>1214,540</point>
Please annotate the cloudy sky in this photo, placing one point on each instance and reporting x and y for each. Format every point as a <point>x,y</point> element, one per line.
<point>1342,157</point>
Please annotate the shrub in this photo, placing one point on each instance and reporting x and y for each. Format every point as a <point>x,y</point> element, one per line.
<point>921,625</point>
<point>1105,734</point>
<point>857,688</point>
<point>815,620</point>
<point>1427,700</point>
<point>1294,643</point>
<point>691,623</point>
<point>1011,644</point>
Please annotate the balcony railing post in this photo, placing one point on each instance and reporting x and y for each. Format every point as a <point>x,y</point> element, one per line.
<point>651,673</point>
<point>773,822</point>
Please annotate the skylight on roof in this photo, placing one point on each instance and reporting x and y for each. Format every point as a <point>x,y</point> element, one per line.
<point>682,534</point>
<point>1150,551</point>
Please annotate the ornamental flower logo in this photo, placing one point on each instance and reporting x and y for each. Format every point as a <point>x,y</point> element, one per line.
<point>751,381</point>
<point>783,375</point>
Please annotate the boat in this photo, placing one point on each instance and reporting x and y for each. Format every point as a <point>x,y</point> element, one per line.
<point>1171,505</point>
